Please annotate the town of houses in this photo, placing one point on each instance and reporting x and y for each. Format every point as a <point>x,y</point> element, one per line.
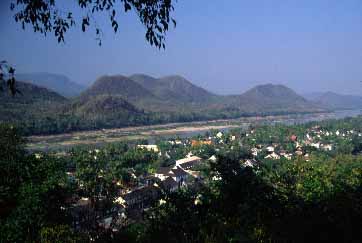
<point>138,197</point>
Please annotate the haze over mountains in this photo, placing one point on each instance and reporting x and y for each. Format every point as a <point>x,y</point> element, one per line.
<point>117,100</point>
<point>56,82</point>
<point>336,101</point>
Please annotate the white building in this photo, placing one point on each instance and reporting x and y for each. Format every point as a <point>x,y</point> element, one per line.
<point>189,162</point>
<point>315,145</point>
<point>150,147</point>
<point>272,156</point>
<point>270,149</point>
<point>327,147</point>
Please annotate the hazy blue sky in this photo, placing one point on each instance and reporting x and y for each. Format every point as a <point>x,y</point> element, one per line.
<point>224,46</point>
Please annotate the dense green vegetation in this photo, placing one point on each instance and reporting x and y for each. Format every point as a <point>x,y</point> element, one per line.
<point>37,195</point>
<point>287,203</point>
<point>32,188</point>
<point>303,199</point>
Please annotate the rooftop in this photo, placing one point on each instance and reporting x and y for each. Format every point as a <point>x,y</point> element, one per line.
<point>179,172</point>
<point>189,159</point>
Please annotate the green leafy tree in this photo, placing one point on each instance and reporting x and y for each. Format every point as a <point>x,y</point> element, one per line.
<point>49,17</point>
<point>7,79</point>
<point>60,234</point>
<point>33,190</point>
<point>95,178</point>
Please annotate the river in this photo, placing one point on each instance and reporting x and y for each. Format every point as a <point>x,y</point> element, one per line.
<point>152,133</point>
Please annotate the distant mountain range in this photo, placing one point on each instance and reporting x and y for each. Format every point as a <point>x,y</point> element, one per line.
<point>175,93</point>
<point>335,101</point>
<point>56,82</point>
<point>115,101</point>
<point>276,98</point>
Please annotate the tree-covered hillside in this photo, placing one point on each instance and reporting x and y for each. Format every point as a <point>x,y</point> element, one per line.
<point>31,102</point>
<point>116,101</point>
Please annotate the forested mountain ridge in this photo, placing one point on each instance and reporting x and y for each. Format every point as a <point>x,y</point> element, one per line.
<point>31,93</point>
<point>146,81</point>
<point>174,88</point>
<point>336,101</point>
<point>117,100</point>
<point>117,85</point>
<point>55,82</point>
<point>270,97</point>
<point>126,88</point>
<point>31,103</point>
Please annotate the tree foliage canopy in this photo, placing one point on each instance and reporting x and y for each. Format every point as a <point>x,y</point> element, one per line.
<point>46,16</point>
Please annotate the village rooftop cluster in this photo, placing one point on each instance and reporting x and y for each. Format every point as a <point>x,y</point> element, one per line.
<point>144,191</point>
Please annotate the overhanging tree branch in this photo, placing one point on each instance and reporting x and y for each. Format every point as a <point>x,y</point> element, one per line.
<point>46,17</point>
